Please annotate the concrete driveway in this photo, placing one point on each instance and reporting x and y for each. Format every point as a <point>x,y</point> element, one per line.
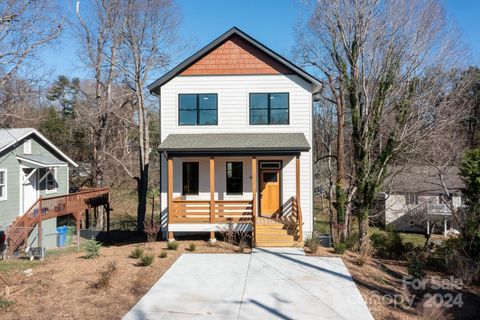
<point>267,284</point>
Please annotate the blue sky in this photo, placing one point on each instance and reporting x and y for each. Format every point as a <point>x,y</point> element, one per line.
<point>269,21</point>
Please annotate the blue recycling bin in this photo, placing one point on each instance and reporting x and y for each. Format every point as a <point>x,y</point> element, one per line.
<point>62,235</point>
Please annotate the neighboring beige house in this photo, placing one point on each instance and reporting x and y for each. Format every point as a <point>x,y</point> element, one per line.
<point>414,197</point>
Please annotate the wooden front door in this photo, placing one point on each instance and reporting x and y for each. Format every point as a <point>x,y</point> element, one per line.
<point>269,192</point>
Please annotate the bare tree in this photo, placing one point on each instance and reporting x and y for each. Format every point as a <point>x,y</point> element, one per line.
<point>389,58</point>
<point>25,27</point>
<point>148,32</point>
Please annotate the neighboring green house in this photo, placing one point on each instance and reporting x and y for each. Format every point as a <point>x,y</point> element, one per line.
<point>30,167</point>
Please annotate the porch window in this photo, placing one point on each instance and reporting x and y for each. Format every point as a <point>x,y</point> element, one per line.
<point>197,109</point>
<point>234,178</point>
<point>3,184</point>
<point>51,181</point>
<point>269,108</point>
<point>190,178</point>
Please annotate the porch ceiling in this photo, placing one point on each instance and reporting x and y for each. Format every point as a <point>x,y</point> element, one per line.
<point>235,143</point>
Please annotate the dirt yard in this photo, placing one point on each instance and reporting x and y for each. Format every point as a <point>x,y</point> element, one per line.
<point>381,282</point>
<point>62,287</point>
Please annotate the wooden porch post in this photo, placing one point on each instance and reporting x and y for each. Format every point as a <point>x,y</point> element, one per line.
<point>40,230</point>
<point>170,196</point>
<point>297,195</point>
<point>87,219</point>
<point>212,197</point>
<point>254,198</point>
<point>78,216</point>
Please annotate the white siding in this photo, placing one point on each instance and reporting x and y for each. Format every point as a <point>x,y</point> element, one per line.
<point>233,117</point>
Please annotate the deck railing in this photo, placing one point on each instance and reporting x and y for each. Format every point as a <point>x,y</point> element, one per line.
<point>199,211</point>
<point>51,207</point>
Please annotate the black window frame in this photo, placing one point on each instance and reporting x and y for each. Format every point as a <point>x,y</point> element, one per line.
<point>241,178</point>
<point>411,198</point>
<point>185,179</point>
<point>197,123</point>
<point>269,122</point>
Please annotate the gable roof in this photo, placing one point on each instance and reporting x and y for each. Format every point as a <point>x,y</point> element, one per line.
<point>155,86</point>
<point>9,137</point>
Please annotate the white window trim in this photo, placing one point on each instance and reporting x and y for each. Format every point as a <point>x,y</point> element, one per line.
<point>5,197</point>
<point>46,182</point>
<point>27,146</point>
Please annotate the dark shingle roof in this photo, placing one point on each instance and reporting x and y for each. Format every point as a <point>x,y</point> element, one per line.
<point>421,179</point>
<point>235,143</point>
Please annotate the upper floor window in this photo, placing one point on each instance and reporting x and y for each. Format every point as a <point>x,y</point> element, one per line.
<point>27,146</point>
<point>51,181</point>
<point>190,177</point>
<point>197,109</point>
<point>234,178</point>
<point>411,198</point>
<point>269,108</point>
<point>3,184</point>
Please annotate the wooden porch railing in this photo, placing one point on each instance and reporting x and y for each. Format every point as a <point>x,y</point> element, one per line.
<point>297,218</point>
<point>199,211</point>
<point>51,207</point>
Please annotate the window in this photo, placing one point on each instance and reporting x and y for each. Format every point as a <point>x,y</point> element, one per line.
<point>234,178</point>
<point>270,165</point>
<point>411,198</point>
<point>269,108</point>
<point>190,178</point>
<point>443,198</point>
<point>51,181</point>
<point>197,109</point>
<point>3,184</point>
<point>27,146</point>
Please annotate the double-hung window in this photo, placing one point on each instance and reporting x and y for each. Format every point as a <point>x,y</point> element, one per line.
<point>234,178</point>
<point>269,108</point>
<point>190,178</point>
<point>3,184</point>
<point>197,109</point>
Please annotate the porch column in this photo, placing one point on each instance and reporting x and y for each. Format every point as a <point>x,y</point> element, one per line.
<point>170,196</point>
<point>254,197</point>
<point>445,227</point>
<point>297,195</point>
<point>212,197</point>
<point>39,228</point>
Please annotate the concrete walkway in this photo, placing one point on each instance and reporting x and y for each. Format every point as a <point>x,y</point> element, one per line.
<point>267,284</point>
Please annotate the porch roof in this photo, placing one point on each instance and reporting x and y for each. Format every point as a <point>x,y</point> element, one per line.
<point>235,143</point>
<point>40,161</point>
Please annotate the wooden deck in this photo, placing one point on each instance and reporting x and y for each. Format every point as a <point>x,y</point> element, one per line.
<point>51,207</point>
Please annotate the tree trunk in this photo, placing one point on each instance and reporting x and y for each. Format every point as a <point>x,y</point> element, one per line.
<point>142,189</point>
<point>363,227</point>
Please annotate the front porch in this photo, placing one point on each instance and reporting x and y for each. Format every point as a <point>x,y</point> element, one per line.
<point>266,208</point>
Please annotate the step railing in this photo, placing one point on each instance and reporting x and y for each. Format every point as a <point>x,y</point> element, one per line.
<point>51,207</point>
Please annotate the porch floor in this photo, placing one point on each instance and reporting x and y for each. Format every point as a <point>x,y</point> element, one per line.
<point>280,283</point>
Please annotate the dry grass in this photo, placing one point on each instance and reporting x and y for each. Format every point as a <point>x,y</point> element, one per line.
<point>377,278</point>
<point>62,286</point>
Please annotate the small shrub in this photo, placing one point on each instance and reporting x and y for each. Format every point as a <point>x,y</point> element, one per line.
<point>92,248</point>
<point>146,260</point>
<point>172,245</point>
<point>4,304</point>
<point>415,267</point>
<point>389,245</point>
<point>106,275</point>
<point>242,244</point>
<point>311,243</point>
<point>152,231</point>
<point>163,254</point>
<point>352,241</point>
<point>137,252</point>
<point>192,247</point>
<point>364,253</point>
<point>340,248</point>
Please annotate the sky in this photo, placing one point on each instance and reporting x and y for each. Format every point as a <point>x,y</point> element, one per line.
<point>271,22</point>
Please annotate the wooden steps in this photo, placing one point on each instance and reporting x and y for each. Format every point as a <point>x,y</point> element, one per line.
<point>273,233</point>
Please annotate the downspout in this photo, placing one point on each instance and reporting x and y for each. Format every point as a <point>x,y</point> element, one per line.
<point>160,139</point>
<point>315,97</point>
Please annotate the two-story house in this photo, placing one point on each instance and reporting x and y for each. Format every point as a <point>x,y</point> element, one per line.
<point>236,137</point>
